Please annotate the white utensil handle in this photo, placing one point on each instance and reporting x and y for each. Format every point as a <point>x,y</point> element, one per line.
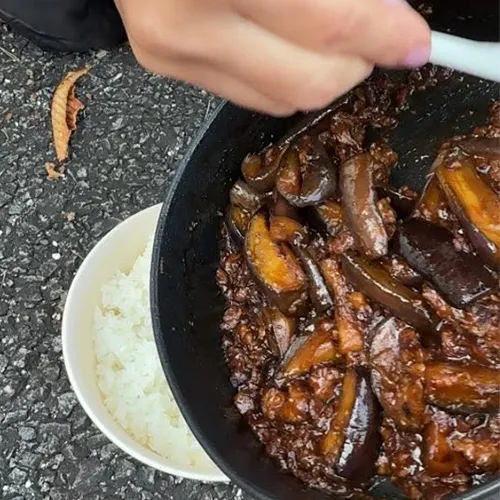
<point>480,59</point>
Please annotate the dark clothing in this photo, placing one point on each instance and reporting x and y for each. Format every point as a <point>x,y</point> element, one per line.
<point>79,25</point>
<point>65,25</point>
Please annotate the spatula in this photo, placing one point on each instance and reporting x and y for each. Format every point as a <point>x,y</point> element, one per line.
<point>480,59</point>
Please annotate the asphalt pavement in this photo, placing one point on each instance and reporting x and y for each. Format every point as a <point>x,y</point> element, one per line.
<point>134,129</point>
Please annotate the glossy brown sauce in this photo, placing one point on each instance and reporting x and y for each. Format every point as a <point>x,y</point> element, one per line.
<point>348,364</point>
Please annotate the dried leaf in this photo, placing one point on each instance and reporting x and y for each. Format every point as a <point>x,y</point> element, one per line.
<point>73,107</point>
<point>52,172</point>
<point>65,107</point>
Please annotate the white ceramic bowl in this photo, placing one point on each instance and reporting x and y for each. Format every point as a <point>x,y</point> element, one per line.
<point>118,250</point>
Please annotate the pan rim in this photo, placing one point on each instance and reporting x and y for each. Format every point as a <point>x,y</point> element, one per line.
<point>487,491</point>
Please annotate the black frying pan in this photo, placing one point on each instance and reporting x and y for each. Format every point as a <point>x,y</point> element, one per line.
<point>186,304</point>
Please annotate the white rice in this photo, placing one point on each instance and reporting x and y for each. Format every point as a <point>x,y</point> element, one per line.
<point>129,374</point>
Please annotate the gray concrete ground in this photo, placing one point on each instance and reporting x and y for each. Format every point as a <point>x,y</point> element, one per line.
<point>134,129</point>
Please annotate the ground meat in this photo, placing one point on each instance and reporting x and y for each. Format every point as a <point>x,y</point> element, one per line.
<point>325,382</point>
<point>334,391</point>
<point>494,113</point>
<point>472,332</point>
<point>385,159</point>
<point>481,319</point>
<point>398,366</point>
<point>341,243</point>
<point>388,215</point>
<point>400,270</point>
<point>405,456</point>
<point>478,443</point>
<point>345,136</point>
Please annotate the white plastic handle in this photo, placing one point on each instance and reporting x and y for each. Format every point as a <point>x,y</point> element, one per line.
<point>480,59</point>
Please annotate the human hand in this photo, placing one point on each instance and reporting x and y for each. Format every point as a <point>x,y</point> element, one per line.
<point>274,56</point>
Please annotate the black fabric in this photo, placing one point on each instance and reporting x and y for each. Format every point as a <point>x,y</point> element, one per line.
<point>65,25</point>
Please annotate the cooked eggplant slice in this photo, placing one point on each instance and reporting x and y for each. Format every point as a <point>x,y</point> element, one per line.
<point>243,195</point>
<point>307,175</point>
<point>397,375</point>
<point>308,351</point>
<point>333,441</point>
<point>467,388</point>
<point>429,249</point>
<point>238,220</point>
<point>281,208</point>
<point>352,441</point>
<point>477,207</point>
<point>290,405</point>
<point>402,201</point>
<point>432,205</point>
<point>327,217</point>
<point>373,280</point>
<point>481,147</point>
<point>284,229</point>
<point>282,331</point>
<point>260,171</point>
<point>351,335</point>
<point>275,268</point>
<point>318,291</point>
<point>359,203</point>
<point>438,456</point>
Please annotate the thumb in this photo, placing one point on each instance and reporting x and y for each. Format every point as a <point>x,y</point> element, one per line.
<point>387,33</point>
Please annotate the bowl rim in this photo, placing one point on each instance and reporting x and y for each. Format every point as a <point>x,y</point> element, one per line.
<point>487,491</point>
<point>161,463</point>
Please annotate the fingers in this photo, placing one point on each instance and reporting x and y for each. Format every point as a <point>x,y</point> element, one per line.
<point>217,82</point>
<point>240,60</point>
<point>385,32</point>
<point>275,67</point>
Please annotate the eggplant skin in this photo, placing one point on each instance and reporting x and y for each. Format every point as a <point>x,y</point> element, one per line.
<point>308,351</point>
<point>460,277</point>
<point>281,208</point>
<point>362,440</point>
<point>286,230</point>
<point>275,268</point>
<point>318,291</point>
<point>243,195</point>
<point>307,175</point>
<point>375,282</point>
<point>397,373</point>
<point>481,147</point>
<point>352,441</point>
<point>260,171</point>
<point>282,331</point>
<point>359,203</point>
<point>238,219</point>
<point>476,206</point>
<point>466,388</point>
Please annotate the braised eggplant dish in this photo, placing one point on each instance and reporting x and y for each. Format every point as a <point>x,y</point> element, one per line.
<point>362,322</point>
